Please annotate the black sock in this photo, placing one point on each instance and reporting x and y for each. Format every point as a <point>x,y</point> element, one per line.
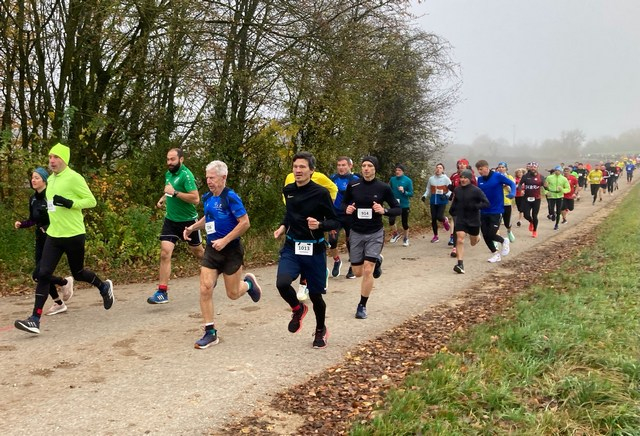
<point>363,300</point>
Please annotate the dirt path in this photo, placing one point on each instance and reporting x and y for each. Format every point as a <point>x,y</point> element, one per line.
<point>133,369</point>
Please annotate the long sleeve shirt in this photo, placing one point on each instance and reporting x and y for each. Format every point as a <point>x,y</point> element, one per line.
<point>438,189</point>
<point>66,223</point>
<point>309,200</point>
<point>363,194</point>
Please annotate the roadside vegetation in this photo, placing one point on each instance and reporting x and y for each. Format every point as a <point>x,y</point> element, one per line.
<point>563,360</point>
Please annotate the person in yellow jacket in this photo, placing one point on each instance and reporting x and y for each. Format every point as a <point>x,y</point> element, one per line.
<point>508,202</point>
<point>555,186</point>
<point>67,195</point>
<point>594,178</point>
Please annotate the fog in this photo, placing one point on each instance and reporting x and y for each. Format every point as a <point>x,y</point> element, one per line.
<point>532,70</point>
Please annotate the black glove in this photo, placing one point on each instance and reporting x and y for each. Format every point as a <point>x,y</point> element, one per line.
<point>59,200</point>
<point>424,198</point>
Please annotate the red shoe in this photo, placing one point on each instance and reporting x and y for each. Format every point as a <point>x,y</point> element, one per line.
<point>534,234</point>
<point>531,227</point>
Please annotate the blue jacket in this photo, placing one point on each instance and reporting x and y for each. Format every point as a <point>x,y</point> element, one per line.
<point>492,186</point>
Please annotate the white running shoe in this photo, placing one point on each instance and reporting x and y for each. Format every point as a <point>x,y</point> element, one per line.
<point>67,290</point>
<point>57,308</point>
<point>495,258</point>
<point>303,292</point>
<point>506,247</point>
<point>405,243</point>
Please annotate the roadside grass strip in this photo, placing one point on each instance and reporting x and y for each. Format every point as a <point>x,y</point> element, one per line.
<point>564,360</point>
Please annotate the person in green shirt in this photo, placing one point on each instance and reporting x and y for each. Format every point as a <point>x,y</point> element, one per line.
<point>556,186</point>
<point>180,198</point>
<point>67,195</point>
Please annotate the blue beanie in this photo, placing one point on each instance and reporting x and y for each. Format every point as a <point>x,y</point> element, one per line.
<point>43,173</point>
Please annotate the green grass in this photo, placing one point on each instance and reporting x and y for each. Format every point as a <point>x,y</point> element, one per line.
<point>564,360</point>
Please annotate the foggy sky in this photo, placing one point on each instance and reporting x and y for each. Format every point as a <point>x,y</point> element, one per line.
<point>536,68</point>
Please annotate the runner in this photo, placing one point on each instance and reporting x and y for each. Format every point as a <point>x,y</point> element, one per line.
<point>467,202</point>
<point>532,182</point>
<point>180,197</point>
<point>341,179</point>
<point>67,195</point>
<point>364,202</point>
<point>492,183</point>
<point>508,202</point>
<point>595,179</point>
<point>604,182</point>
<point>571,196</point>
<point>39,217</point>
<point>629,168</point>
<point>461,165</point>
<point>438,193</point>
<point>225,220</point>
<point>309,213</point>
<point>519,200</point>
<point>582,179</point>
<point>556,186</point>
<point>402,188</point>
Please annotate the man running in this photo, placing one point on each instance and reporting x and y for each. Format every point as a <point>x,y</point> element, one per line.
<point>438,193</point>
<point>309,213</point>
<point>67,195</point>
<point>225,220</point>
<point>467,202</point>
<point>571,196</point>
<point>402,188</point>
<point>364,201</point>
<point>461,165</point>
<point>180,197</point>
<point>556,186</point>
<point>533,183</point>
<point>595,179</point>
<point>341,179</point>
<point>629,168</point>
<point>492,184</point>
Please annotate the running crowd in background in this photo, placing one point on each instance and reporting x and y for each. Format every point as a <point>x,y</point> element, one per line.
<point>479,200</point>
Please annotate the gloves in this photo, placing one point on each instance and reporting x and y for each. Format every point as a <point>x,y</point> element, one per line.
<point>59,200</point>
<point>424,198</point>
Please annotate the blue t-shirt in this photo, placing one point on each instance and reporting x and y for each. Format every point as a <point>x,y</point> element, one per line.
<point>492,186</point>
<point>223,211</point>
<point>341,182</point>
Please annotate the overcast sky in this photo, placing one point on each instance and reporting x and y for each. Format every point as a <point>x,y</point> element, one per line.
<point>539,67</point>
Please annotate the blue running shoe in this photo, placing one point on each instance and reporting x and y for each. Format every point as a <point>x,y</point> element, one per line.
<point>337,267</point>
<point>255,291</point>
<point>210,338</point>
<point>158,298</point>
<point>361,312</point>
<point>107,295</point>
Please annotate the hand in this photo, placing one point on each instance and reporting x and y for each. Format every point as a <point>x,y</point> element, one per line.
<point>401,189</point>
<point>186,232</point>
<point>378,208</point>
<point>350,209</point>
<point>16,224</point>
<point>313,223</point>
<point>279,231</point>
<point>169,189</point>
<point>59,200</point>
<point>423,198</point>
<point>219,244</point>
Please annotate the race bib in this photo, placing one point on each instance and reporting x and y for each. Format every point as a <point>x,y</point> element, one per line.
<point>365,214</point>
<point>304,249</point>
<point>210,227</point>
<point>530,199</point>
<point>50,206</point>
<point>439,191</point>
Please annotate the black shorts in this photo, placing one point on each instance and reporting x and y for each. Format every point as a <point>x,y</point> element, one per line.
<point>469,230</point>
<point>226,261</point>
<point>567,203</point>
<point>173,231</point>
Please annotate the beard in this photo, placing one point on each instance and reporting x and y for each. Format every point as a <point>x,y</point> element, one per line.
<point>174,168</point>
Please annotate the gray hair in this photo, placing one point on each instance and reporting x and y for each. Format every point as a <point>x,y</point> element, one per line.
<point>219,167</point>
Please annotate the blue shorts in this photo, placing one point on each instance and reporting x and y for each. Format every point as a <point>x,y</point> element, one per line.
<point>313,268</point>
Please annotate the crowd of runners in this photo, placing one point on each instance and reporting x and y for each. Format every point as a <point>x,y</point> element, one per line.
<point>476,201</point>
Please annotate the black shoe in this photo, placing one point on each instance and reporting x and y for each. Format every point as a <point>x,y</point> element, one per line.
<point>361,312</point>
<point>107,295</point>
<point>350,274</point>
<point>30,325</point>
<point>459,269</point>
<point>377,270</point>
<point>296,318</point>
<point>320,338</point>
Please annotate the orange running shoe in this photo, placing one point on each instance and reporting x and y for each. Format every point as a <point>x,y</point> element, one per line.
<point>534,234</point>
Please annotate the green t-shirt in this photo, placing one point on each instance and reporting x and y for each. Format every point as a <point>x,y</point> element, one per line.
<point>182,181</point>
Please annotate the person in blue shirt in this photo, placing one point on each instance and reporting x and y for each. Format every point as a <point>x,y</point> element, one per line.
<point>402,188</point>
<point>492,183</point>
<point>629,167</point>
<point>225,220</point>
<point>341,178</point>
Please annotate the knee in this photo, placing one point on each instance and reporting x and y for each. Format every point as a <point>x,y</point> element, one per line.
<point>283,282</point>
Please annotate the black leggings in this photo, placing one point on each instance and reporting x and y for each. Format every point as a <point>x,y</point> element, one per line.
<point>405,219</point>
<point>531,209</point>
<point>52,252</point>
<point>437,214</point>
<point>555,207</point>
<point>506,216</point>
<point>55,280</point>
<point>288,294</point>
<point>489,225</point>
<point>594,191</point>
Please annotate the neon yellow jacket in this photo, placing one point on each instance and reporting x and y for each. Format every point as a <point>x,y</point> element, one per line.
<point>556,186</point>
<point>66,223</point>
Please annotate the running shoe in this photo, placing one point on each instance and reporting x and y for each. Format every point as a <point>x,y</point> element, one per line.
<point>350,274</point>
<point>320,338</point>
<point>518,224</point>
<point>459,269</point>
<point>296,318</point>
<point>254,291</point>
<point>534,234</point>
<point>531,227</point>
<point>564,221</point>
<point>511,236</point>
<point>556,227</point>
<point>159,297</point>
<point>67,290</point>
<point>450,243</point>
<point>210,338</point>
<point>446,224</point>
<point>303,292</point>
<point>337,267</point>
<point>506,247</point>
<point>435,239</point>
<point>495,258</point>
<point>30,325</point>
<point>394,237</point>
<point>361,312</point>
<point>377,270</point>
<point>57,308</point>
<point>405,242</point>
<point>454,252</point>
<point>107,295</point>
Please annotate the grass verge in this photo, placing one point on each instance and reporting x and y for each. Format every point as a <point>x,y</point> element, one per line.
<point>563,360</point>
